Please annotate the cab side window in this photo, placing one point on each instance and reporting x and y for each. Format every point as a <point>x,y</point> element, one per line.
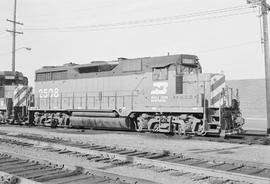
<point>160,74</point>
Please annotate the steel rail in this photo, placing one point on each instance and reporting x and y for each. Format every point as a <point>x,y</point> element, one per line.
<point>166,161</point>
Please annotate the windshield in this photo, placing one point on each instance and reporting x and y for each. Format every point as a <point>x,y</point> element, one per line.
<point>188,69</point>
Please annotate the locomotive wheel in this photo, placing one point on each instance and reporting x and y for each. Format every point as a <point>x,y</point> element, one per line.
<point>41,121</point>
<point>156,127</point>
<point>67,122</point>
<point>179,131</point>
<point>139,127</point>
<point>54,123</point>
<point>133,125</point>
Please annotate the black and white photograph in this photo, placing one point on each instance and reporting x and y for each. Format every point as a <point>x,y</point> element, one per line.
<point>134,92</point>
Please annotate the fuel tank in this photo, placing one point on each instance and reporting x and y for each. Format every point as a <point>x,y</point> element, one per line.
<point>120,123</point>
<point>94,114</point>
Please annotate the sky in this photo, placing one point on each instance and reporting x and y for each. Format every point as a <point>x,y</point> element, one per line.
<point>224,34</point>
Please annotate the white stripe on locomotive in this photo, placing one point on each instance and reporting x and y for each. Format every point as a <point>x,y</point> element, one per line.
<point>217,87</point>
<point>21,95</point>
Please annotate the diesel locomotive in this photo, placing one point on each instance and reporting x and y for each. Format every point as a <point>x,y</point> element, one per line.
<point>168,94</point>
<point>15,97</point>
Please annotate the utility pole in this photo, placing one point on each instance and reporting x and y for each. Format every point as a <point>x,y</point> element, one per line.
<point>14,33</point>
<point>264,10</point>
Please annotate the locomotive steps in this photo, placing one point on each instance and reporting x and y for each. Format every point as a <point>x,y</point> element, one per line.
<point>165,161</point>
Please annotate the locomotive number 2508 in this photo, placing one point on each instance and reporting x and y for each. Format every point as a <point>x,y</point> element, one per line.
<point>45,93</point>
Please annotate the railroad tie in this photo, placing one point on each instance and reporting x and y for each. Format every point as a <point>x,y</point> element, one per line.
<point>41,172</point>
<point>12,165</point>
<point>76,172</point>
<point>167,158</point>
<point>36,171</point>
<point>138,154</point>
<point>156,155</point>
<point>8,160</point>
<point>101,159</point>
<point>64,151</point>
<point>179,160</point>
<point>256,172</point>
<point>93,157</point>
<point>127,152</point>
<point>28,169</point>
<point>117,150</point>
<point>71,179</point>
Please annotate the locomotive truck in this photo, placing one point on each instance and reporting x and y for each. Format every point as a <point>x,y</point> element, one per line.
<point>167,94</point>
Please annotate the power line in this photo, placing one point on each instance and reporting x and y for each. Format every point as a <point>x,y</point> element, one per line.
<point>146,20</point>
<point>230,46</point>
<point>150,22</point>
<point>85,9</point>
<point>143,25</point>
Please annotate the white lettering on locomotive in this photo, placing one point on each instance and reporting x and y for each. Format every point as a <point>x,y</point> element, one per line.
<point>160,88</point>
<point>56,92</point>
<point>159,98</point>
<point>45,93</point>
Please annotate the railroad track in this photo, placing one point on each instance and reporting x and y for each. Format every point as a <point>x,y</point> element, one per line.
<point>36,172</point>
<point>249,137</point>
<point>163,162</point>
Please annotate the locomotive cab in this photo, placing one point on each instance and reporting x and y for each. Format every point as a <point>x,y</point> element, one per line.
<point>204,105</point>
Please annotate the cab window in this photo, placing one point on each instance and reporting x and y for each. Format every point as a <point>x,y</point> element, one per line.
<point>183,69</point>
<point>160,74</point>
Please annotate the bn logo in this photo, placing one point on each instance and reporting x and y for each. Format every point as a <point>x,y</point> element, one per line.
<point>160,88</point>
